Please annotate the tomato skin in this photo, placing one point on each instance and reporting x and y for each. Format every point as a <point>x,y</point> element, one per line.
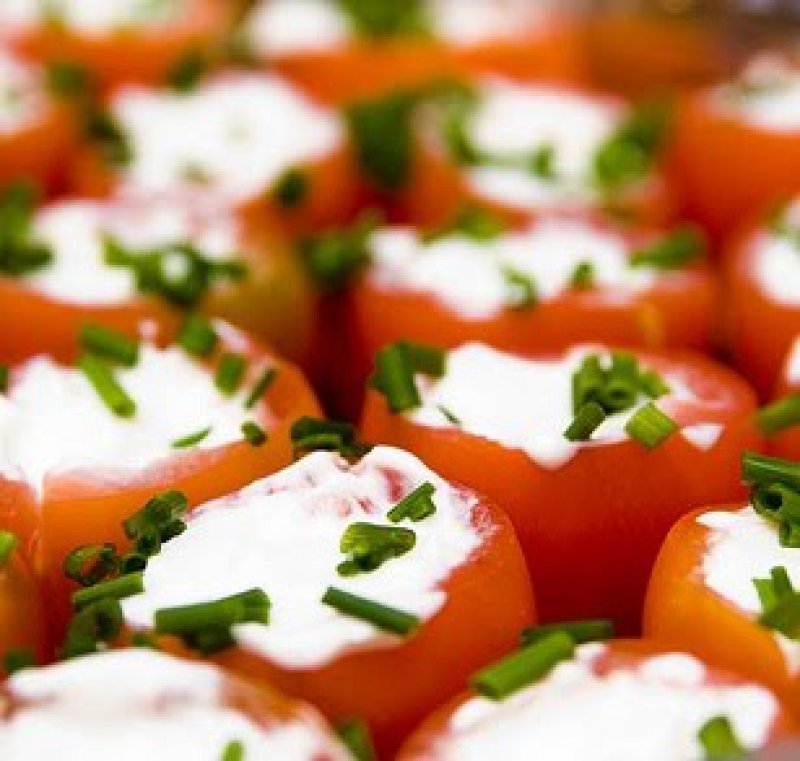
<point>393,688</point>
<point>23,624</point>
<point>759,330</point>
<point>621,654</point>
<point>682,612</point>
<point>608,498</point>
<point>128,55</point>
<point>728,169</point>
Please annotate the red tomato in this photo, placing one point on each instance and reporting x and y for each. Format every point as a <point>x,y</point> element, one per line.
<point>591,528</point>
<point>430,741</point>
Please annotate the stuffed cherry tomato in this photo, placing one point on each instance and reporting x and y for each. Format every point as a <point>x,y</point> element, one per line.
<point>83,446</point>
<point>138,703</point>
<point>348,578</point>
<point>128,259</point>
<point>723,585</point>
<point>328,46</point>
<point>737,146</point>
<point>252,139</point>
<point>35,130</point>
<point>593,454</point>
<point>116,40</point>
<point>625,700</point>
<point>516,149</point>
<point>23,626</point>
<point>763,309</point>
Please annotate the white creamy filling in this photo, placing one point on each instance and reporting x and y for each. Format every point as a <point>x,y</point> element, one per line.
<point>52,421</point>
<point>92,16</point>
<point>523,404</point>
<point>776,268</point>
<point>137,704</point>
<point>284,27</point>
<point>235,135</point>
<point>282,534</point>
<point>512,120</point>
<point>653,711</point>
<point>21,96</point>
<point>75,232</point>
<point>743,546</point>
<point>470,277</point>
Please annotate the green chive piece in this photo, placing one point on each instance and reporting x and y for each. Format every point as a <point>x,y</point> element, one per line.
<point>522,293</point>
<point>525,667</point>
<point>593,630</point>
<point>543,162</point>
<point>198,336</point>
<point>369,546</point>
<point>188,71</point>
<point>17,660</point>
<point>253,433</point>
<point>67,80</point>
<point>719,740</point>
<point>450,416</point>
<point>119,588</point>
<point>760,470</point>
<point>193,439</point>
<point>355,735</point>
<point>106,385</point>
<point>5,376</point>
<point>653,385</point>
<point>314,435</point>
<point>230,372</point>
<point>783,616</point>
<point>587,382</point>
<point>678,249</point>
<point>381,616</point>
<point>385,19</point>
<point>262,385</point>
<point>91,564</point>
<point>650,426</point>
<point>110,345</point>
<point>471,222</point>
<point>583,276</point>
<point>234,751</point>
<point>777,587</point>
<point>103,130</point>
<point>395,368</point>
<point>291,189</point>
<point>8,542</point>
<point>96,624</point>
<point>20,252</point>
<point>780,415</point>
<point>415,506</point>
<point>621,388</point>
<point>160,520</point>
<point>588,419</point>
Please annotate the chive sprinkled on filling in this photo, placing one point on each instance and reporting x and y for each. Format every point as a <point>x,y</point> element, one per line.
<point>521,289</point>
<point>719,740</point>
<point>650,426</point>
<point>381,616</point>
<point>681,247</point>
<point>582,277</point>
<point>471,222</point>
<point>525,667</point>
<point>17,660</point>
<point>5,376</point>
<point>415,506</point>
<point>314,435</point>
<point>160,520</point>
<point>102,379</point>
<point>91,564</point>
<point>103,130</point>
<point>20,252</point>
<point>385,19</point>
<point>586,421</point>
<point>187,73</point>
<point>395,368</point>
<point>197,336</point>
<point>94,626</point>
<point>110,345</point>
<point>356,737</point>
<point>779,415</point>
<point>775,493</point>
<point>119,588</point>
<point>8,542</point>
<point>230,372</point>
<point>260,387</point>
<point>291,189</point>
<point>193,439</point>
<point>369,546</point>
<point>234,751</point>
<point>253,433</point>
<point>593,630</point>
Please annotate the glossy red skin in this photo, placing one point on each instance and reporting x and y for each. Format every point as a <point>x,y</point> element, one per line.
<point>425,744</point>
<point>759,330</point>
<point>591,545</point>
<point>393,688</point>
<point>130,55</point>
<point>551,52</point>
<point>728,169</point>
<point>683,612</point>
<point>87,508</point>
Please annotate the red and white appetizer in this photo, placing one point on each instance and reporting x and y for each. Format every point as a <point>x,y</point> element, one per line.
<point>333,581</point>
<point>138,703</point>
<point>593,453</point>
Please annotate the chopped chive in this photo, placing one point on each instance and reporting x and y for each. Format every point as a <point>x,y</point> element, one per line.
<point>471,222</point>
<point>650,426</point>
<point>784,615</point>
<point>119,588</point>
<point>313,435</point>
<point>382,616</point>
<point>587,420</point>
<point>583,276</point>
<point>415,506</point>
<point>96,624</point>
<point>251,606</point>
<point>653,384</point>
<point>5,375</point>
<point>780,415</point>
<point>186,74</point>
<point>291,188</point>
<point>17,660</point>
<point>525,667</point>
<point>110,345</point>
<point>230,372</point>
<point>67,80</point>
<point>8,542</point>
<point>160,520</point>
<point>587,382</point>
<point>760,470</point>
<point>20,252</point>
<point>673,252</point>
<point>369,546</point>
<point>594,630</point>
<point>450,416</point>
<point>187,442</point>
<point>234,751</point>
<point>621,388</point>
<point>521,289</point>
<point>395,368</point>
<point>253,433</point>
<point>261,387</point>
<point>355,735</point>
<point>543,162</point>
<point>719,740</point>
<point>385,19</point>
<point>775,588</point>
<point>106,385</point>
<point>91,564</point>
<point>198,336</point>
